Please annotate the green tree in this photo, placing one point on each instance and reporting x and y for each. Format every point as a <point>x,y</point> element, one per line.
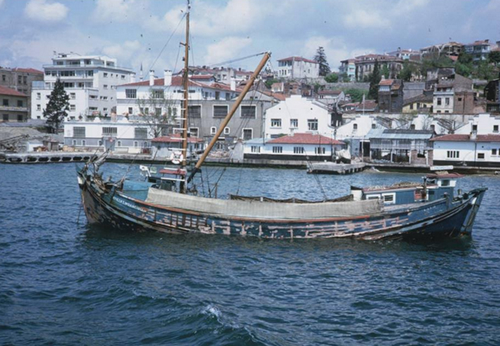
<point>494,57</point>
<point>270,82</point>
<point>57,107</point>
<point>385,71</point>
<point>374,81</point>
<point>407,72</point>
<point>332,78</point>
<point>356,94</point>
<point>320,58</point>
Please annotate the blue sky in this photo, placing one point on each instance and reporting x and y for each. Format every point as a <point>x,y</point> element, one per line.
<point>135,31</point>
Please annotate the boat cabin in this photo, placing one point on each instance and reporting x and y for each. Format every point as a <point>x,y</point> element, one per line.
<point>165,179</point>
<point>434,186</point>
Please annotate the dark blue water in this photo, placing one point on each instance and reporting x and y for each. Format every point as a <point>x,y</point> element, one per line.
<point>65,283</point>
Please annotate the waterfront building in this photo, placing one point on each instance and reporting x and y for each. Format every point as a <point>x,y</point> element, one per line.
<point>390,95</point>
<point>453,94</point>
<point>299,146</point>
<point>118,134</point>
<point>13,106</point>
<point>20,79</point>
<point>90,82</point>
<point>467,150</point>
<point>297,114</point>
<point>170,147</point>
<point>296,67</point>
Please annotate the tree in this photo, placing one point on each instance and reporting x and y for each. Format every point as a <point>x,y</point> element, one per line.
<point>407,72</point>
<point>57,107</point>
<point>270,82</point>
<point>356,94</point>
<point>320,58</point>
<point>385,71</point>
<point>374,81</point>
<point>157,111</point>
<point>494,57</point>
<point>332,78</point>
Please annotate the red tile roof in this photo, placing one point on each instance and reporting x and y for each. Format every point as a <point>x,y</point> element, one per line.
<point>466,138</point>
<point>304,138</point>
<point>176,138</point>
<point>386,82</point>
<point>10,92</point>
<point>298,58</point>
<point>27,70</point>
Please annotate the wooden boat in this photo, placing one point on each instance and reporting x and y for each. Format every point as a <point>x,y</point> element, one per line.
<point>163,204</point>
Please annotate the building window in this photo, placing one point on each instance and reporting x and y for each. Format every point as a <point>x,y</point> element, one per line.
<point>474,128</point>
<point>194,112</point>
<point>213,130</point>
<point>130,110</point>
<point>447,101</point>
<point>194,131</point>
<point>131,93</point>
<point>220,111</point>
<point>493,152</point>
<point>294,123</point>
<point>298,150</point>
<point>119,143</point>
<point>354,127</point>
<point>79,131</point>
<point>312,124</point>
<point>136,144</point>
<point>83,142</point>
<point>227,130</point>
<point>277,150</point>
<point>72,96</point>
<point>480,156</point>
<point>105,75</point>
<point>38,107</point>
<point>99,142</point>
<point>453,154</point>
<point>247,134</point>
<point>72,108</point>
<point>140,133</point>
<point>157,94</point>
<point>495,128</point>
<point>109,131</point>
<point>38,96</point>
<point>276,123</point>
<point>74,142</point>
<point>248,112</point>
<point>255,149</point>
<point>439,101</point>
<point>5,102</point>
<point>319,150</point>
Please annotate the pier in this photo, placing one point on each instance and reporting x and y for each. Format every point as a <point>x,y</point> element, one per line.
<point>335,168</point>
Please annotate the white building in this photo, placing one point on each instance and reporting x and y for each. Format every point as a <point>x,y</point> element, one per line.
<point>299,146</point>
<point>481,124</point>
<point>118,135</point>
<point>297,115</point>
<point>296,67</point>
<point>165,94</point>
<point>467,150</point>
<point>90,81</point>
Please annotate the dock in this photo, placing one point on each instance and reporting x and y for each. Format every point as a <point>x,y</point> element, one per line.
<point>335,168</point>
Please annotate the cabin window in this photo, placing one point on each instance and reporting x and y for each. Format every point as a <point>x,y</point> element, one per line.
<point>312,124</point>
<point>220,111</point>
<point>255,149</point>
<point>275,122</point>
<point>389,198</point>
<point>480,156</point>
<point>277,150</point>
<point>445,182</point>
<point>372,197</point>
<point>298,150</point>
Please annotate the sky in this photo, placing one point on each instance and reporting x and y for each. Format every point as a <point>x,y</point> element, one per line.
<point>148,32</point>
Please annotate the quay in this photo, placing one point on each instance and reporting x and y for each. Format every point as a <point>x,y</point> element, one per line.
<point>335,168</point>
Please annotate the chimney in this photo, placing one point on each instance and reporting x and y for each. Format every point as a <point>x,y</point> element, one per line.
<point>233,84</point>
<point>167,79</point>
<point>151,77</point>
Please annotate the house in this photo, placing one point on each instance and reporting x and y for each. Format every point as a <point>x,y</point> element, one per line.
<point>20,79</point>
<point>367,106</point>
<point>418,104</point>
<point>330,96</point>
<point>453,94</point>
<point>492,95</point>
<point>467,150</point>
<point>478,49</point>
<point>14,106</point>
<point>405,54</point>
<point>405,146</point>
<point>90,82</point>
<point>448,49</point>
<point>348,68</point>
<point>296,67</point>
<point>354,133</point>
<point>169,146</point>
<point>297,114</point>
<point>412,89</point>
<point>299,146</point>
<point>118,134</point>
<point>390,96</point>
<point>365,65</point>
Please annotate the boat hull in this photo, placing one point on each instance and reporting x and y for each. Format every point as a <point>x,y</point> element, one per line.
<point>442,218</point>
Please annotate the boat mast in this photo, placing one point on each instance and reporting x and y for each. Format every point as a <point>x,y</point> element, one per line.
<point>229,115</point>
<point>185,112</point>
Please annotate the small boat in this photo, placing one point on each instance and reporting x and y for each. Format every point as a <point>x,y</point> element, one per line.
<point>166,202</point>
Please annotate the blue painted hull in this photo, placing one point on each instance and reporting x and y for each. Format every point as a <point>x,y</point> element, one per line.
<point>441,218</point>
